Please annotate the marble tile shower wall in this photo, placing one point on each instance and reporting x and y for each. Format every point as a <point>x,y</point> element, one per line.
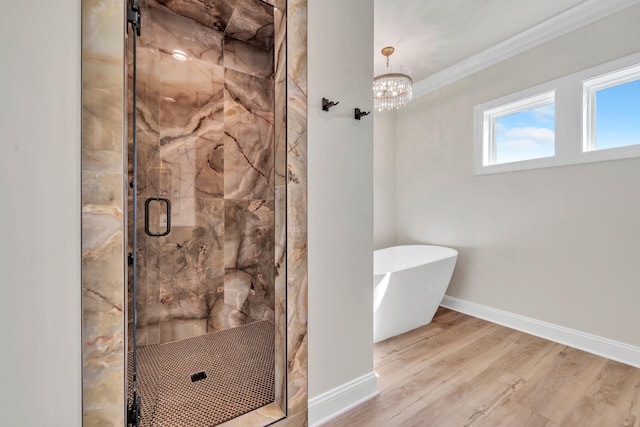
<point>206,142</point>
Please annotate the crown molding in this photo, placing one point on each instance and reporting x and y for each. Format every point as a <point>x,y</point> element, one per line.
<point>561,24</point>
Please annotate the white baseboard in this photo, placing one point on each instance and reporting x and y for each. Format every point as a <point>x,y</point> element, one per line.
<point>342,398</point>
<point>600,346</point>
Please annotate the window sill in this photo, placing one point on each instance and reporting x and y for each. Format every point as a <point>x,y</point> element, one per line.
<point>619,153</point>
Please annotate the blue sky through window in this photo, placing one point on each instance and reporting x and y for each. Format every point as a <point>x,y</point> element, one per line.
<point>618,115</point>
<point>527,134</point>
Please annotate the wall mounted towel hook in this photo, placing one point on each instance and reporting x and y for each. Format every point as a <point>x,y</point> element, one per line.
<point>359,113</point>
<point>326,104</point>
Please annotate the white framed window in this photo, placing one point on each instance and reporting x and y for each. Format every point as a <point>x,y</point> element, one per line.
<point>520,130</point>
<point>612,110</point>
<point>589,116</point>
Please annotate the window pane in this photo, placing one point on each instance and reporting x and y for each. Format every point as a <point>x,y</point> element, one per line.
<point>618,116</point>
<point>527,134</point>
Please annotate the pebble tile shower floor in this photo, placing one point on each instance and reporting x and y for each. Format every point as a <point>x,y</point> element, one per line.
<point>239,367</point>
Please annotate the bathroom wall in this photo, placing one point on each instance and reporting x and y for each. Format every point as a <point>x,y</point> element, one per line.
<point>206,142</point>
<point>384,179</point>
<point>556,244</point>
<point>40,383</point>
<point>340,195</point>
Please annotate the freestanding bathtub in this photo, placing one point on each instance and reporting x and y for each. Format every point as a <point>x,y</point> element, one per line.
<point>409,282</point>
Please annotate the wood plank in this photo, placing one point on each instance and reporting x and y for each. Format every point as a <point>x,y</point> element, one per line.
<point>463,371</point>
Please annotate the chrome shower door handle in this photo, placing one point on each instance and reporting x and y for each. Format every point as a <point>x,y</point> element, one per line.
<point>146,216</point>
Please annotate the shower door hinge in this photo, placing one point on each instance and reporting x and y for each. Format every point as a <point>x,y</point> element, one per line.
<point>133,411</point>
<point>133,18</point>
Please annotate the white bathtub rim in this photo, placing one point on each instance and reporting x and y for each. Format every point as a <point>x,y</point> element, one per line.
<point>444,252</point>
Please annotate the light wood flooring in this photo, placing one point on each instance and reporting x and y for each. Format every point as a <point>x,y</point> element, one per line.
<point>463,371</point>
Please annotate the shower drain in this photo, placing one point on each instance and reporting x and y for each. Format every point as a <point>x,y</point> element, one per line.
<point>198,376</point>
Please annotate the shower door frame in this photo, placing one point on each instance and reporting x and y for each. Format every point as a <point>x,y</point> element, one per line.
<point>103,221</point>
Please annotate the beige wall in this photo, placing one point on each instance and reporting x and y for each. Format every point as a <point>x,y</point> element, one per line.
<point>384,179</point>
<point>556,244</point>
<point>40,214</point>
<point>340,194</point>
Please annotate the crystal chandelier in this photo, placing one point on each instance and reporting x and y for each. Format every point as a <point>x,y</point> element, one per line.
<point>392,87</point>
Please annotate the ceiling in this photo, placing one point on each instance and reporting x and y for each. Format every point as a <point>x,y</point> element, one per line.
<point>431,35</point>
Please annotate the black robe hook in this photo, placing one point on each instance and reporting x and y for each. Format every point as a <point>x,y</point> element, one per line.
<point>359,113</point>
<point>326,104</point>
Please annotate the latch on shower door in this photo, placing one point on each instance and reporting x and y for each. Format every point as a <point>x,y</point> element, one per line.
<point>147,204</point>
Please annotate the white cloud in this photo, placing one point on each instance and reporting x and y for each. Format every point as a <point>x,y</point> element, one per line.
<point>535,135</point>
<point>520,143</point>
<point>544,114</point>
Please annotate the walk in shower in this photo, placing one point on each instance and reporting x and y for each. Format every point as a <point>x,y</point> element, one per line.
<point>206,211</point>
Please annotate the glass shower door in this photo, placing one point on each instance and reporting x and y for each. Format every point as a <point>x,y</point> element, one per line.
<point>209,220</point>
